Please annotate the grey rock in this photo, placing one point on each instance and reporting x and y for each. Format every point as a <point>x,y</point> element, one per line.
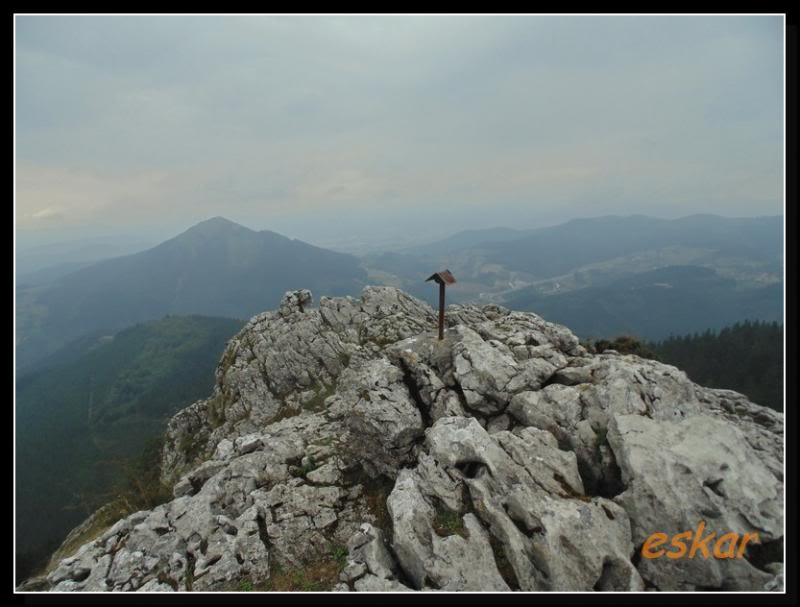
<point>327,474</point>
<point>512,459</point>
<point>523,481</point>
<point>373,583</point>
<point>368,547</point>
<point>352,571</point>
<point>383,420</point>
<point>555,408</point>
<point>776,584</point>
<point>447,404</point>
<point>294,302</point>
<point>699,469</point>
<point>482,371</point>
<point>248,443</point>
<point>411,517</point>
<point>448,563</point>
<point>224,449</point>
<point>499,424</point>
<point>155,586</point>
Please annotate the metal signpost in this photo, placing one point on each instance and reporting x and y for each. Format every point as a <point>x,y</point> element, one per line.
<point>443,278</point>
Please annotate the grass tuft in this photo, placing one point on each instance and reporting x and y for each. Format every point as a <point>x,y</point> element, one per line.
<point>448,522</point>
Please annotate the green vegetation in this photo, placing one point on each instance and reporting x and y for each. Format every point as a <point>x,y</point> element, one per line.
<point>448,522</point>
<point>325,442</point>
<point>285,412</point>
<point>138,487</point>
<point>601,434</point>
<point>216,411</point>
<point>317,575</point>
<point>100,522</point>
<point>339,554</point>
<point>556,250</point>
<point>376,490</point>
<point>624,344</point>
<point>216,268</point>
<point>191,445</point>
<point>317,402</point>
<point>81,422</point>
<point>746,357</point>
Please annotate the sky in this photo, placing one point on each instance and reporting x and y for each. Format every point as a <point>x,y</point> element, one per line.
<point>352,129</point>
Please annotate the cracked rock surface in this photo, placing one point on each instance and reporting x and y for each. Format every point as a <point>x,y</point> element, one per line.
<point>511,458</point>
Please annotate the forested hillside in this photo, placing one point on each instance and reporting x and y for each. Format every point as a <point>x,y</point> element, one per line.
<point>215,268</point>
<point>746,357</point>
<point>656,304</point>
<point>81,419</point>
<point>609,275</point>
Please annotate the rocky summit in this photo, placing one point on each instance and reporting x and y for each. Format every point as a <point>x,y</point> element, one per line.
<point>504,457</point>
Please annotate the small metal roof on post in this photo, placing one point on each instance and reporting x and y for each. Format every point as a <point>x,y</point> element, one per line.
<point>444,278</point>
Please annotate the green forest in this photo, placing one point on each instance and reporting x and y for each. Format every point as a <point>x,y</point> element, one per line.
<point>746,357</point>
<point>81,424</point>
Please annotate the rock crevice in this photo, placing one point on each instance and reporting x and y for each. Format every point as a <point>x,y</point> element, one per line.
<point>512,459</point>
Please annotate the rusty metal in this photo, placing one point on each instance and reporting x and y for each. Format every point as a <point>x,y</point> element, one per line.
<point>444,278</point>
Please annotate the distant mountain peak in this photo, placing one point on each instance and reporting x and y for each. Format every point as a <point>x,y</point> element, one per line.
<point>218,226</point>
<point>212,228</point>
<point>217,223</point>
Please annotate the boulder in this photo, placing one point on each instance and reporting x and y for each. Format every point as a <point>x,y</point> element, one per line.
<point>503,457</point>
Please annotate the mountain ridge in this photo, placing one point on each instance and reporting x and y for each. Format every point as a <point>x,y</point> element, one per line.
<point>346,438</point>
<point>250,270</point>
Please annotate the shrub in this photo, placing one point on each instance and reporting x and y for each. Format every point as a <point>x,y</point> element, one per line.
<point>624,344</point>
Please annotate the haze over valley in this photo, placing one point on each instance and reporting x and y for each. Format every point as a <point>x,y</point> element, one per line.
<point>602,276</point>
<point>608,192</point>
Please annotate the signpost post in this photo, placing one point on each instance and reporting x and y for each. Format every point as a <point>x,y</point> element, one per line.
<point>443,278</point>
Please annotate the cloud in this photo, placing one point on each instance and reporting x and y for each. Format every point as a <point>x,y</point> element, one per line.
<point>48,192</point>
<point>142,118</point>
<point>47,214</point>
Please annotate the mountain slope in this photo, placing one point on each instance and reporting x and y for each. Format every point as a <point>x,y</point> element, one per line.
<point>99,401</point>
<point>555,250</point>
<point>520,266</point>
<point>469,238</point>
<point>345,447</point>
<point>215,268</point>
<point>653,305</point>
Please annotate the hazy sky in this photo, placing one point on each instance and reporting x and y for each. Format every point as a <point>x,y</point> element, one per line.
<point>329,127</point>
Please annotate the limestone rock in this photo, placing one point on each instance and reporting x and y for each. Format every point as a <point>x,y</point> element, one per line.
<point>294,302</point>
<point>699,469</point>
<point>505,456</point>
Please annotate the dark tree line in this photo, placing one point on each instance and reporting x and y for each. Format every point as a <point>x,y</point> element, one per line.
<point>746,357</point>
